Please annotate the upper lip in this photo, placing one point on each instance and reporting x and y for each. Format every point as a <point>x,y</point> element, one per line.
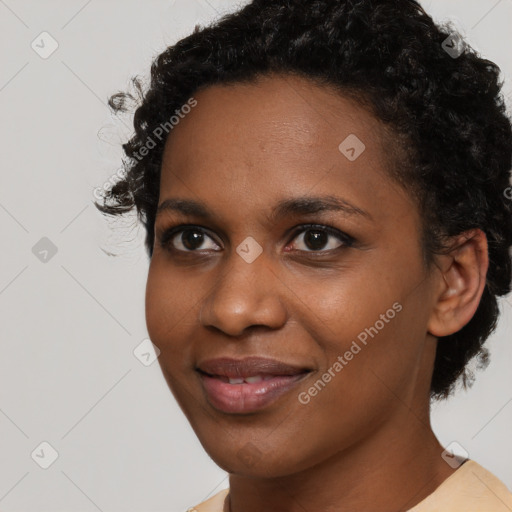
<point>248,367</point>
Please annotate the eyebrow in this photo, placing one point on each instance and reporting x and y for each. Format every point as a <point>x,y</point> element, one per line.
<point>305,205</point>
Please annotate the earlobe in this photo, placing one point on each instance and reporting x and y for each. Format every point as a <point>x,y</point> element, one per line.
<point>462,280</point>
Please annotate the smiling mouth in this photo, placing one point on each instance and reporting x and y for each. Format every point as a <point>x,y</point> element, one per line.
<point>248,385</point>
<point>243,380</point>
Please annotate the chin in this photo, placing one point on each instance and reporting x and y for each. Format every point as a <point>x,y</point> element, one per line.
<point>262,468</point>
<point>249,458</point>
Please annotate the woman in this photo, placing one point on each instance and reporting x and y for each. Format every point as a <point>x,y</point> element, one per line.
<point>323,189</point>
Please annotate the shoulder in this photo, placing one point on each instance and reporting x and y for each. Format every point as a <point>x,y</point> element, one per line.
<point>213,504</point>
<point>471,488</point>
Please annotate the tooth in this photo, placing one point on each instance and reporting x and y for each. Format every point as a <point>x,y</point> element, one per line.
<point>252,380</point>
<point>236,380</point>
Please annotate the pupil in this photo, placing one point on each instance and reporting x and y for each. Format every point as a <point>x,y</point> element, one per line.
<point>317,241</point>
<point>188,241</point>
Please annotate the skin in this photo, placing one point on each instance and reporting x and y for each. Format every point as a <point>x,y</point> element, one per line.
<point>364,442</point>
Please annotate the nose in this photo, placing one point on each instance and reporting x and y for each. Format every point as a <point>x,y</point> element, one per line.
<point>245,295</point>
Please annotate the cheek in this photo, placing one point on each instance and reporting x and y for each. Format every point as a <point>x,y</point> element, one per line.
<point>339,310</point>
<point>344,403</point>
<point>369,332</point>
<point>169,312</point>
<point>159,308</point>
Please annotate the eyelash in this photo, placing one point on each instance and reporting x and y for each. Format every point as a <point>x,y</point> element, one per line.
<point>167,236</point>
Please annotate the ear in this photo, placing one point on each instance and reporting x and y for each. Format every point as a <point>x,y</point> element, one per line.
<point>462,279</point>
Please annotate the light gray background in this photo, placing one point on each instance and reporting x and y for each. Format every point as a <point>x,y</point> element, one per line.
<point>69,326</point>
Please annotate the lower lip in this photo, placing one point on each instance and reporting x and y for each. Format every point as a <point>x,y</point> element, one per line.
<point>247,397</point>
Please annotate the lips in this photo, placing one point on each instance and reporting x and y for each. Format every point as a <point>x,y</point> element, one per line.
<point>249,384</point>
<point>247,367</point>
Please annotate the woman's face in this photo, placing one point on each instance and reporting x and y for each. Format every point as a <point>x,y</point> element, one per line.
<point>345,311</point>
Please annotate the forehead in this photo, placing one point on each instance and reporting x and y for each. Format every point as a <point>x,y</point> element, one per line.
<point>254,141</point>
<point>277,112</point>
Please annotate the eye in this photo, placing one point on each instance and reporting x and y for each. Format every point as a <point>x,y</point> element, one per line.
<point>315,237</point>
<point>192,239</point>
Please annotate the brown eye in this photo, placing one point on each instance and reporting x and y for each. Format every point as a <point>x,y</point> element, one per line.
<point>190,239</point>
<point>316,238</point>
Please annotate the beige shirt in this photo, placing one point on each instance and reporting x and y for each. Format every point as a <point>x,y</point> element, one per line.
<point>471,488</point>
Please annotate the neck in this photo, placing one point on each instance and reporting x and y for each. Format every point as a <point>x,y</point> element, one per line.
<point>393,470</point>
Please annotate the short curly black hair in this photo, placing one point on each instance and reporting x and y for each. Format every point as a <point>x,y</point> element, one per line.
<point>452,136</point>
